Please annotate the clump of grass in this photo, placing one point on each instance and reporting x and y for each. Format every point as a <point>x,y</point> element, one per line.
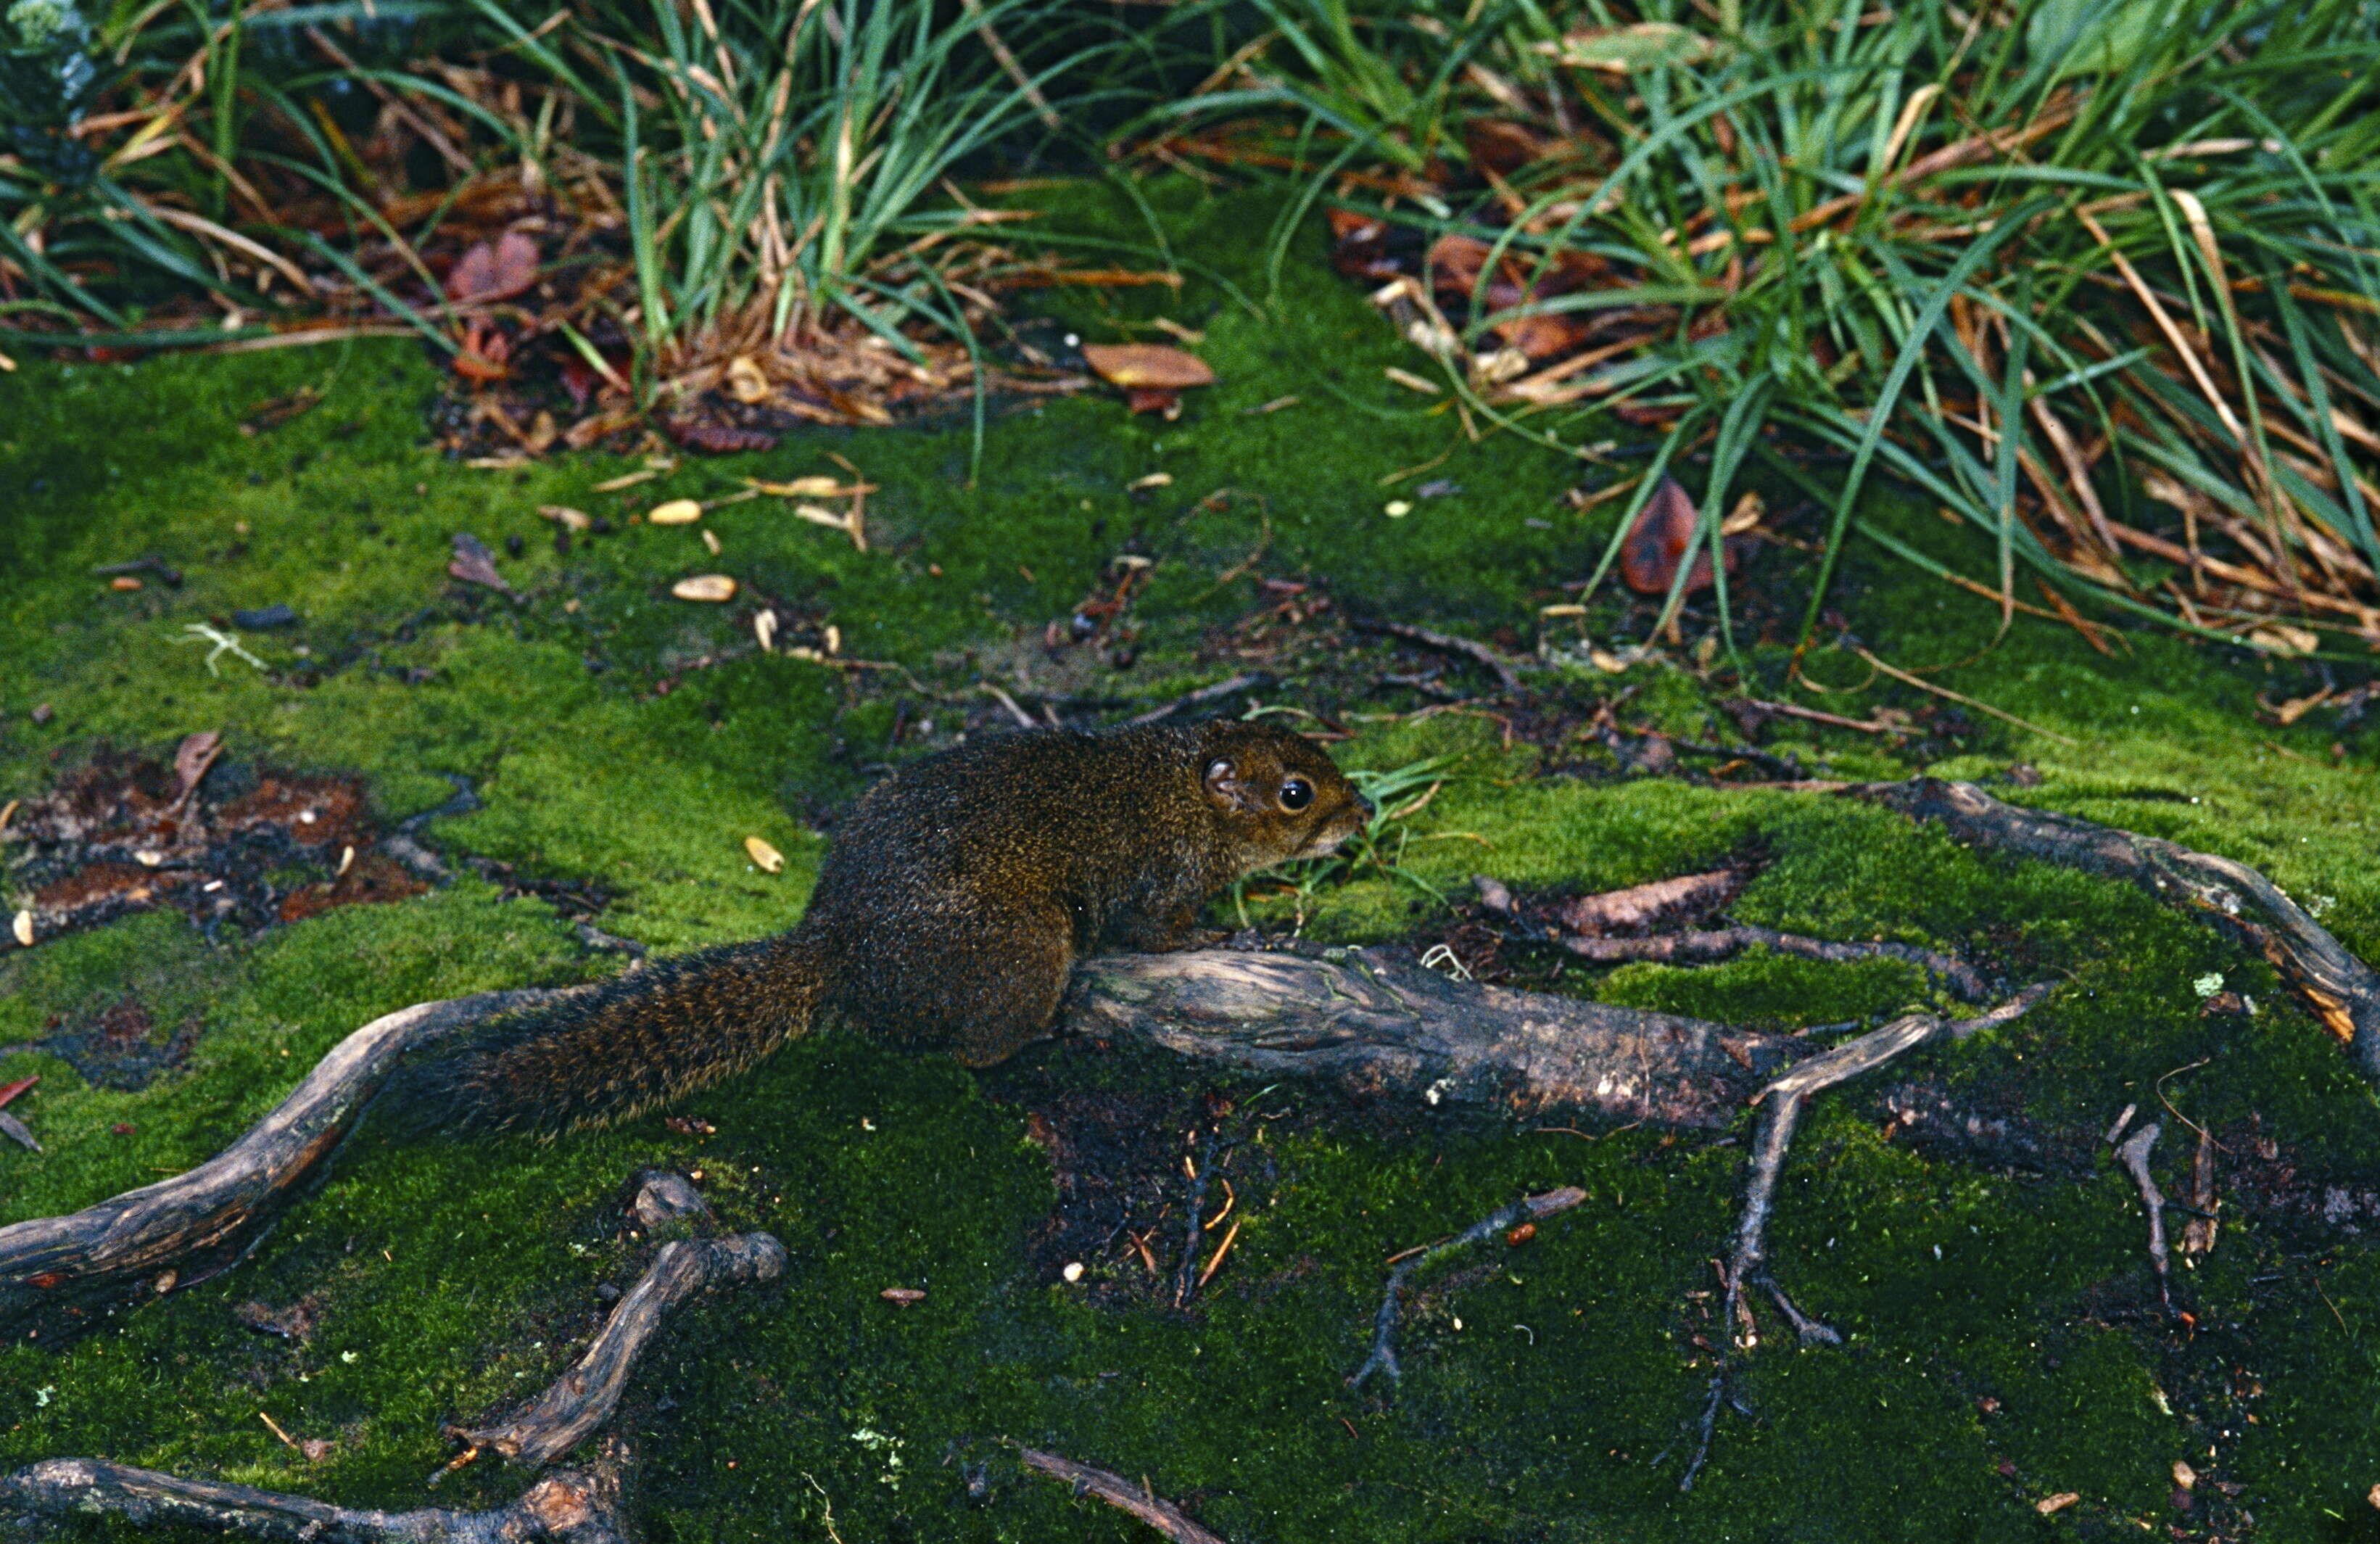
<point>150,161</point>
<point>763,183</point>
<point>1397,794</point>
<point>2096,278</point>
<point>785,165</point>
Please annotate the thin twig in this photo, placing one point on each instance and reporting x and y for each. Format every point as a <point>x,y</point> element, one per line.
<point>1469,649</point>
<point>1120,1493</point>
<point>1246,681</point>
<point>1186,1280</point>
<point>2135,1156</point>
<point>1384,1323</point>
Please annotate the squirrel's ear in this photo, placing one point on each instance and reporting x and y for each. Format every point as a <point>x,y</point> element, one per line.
<point>1225,788</point>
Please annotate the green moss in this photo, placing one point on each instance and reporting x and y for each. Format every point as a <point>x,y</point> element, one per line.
<point>448,1280</point>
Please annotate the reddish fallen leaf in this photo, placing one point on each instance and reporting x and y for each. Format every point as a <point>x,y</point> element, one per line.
<point>191,758</point>
<point>496,272</point>
<point>1359,246</point>
<point>1456,263</point>
<point>578,378</point>
<point>718,439</point>
<point>1657,544</point>
<point>1147,366</point>
<point>1504,148</point>
<point>1644,905</point>
<point>902,1295</point>
<point>1642,415</point>
<point>473,366</point>
<point>473,563</point>
<point>10,1090</point>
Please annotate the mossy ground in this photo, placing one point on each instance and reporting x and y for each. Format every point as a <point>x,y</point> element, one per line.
<point>1542,1381</point>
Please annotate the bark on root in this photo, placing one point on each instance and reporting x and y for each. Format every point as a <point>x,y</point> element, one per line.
<point>2225,893</point>
<point>1120,1493</point>
<point>582,1398</point>
<point>1748,1263</point>
<point>577,1506</point>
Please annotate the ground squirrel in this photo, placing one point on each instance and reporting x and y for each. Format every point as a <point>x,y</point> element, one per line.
<point>947,917</point>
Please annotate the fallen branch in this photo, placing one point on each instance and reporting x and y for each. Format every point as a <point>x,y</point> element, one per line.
<point>577,1506</point>
<point>2343,992</point>
<point>1446,644</point>
<point>2135,1156</point>
<point>1245,681</point>
<point>1718,943</point>
<point>1120,1493</point>
<point>1384,1323</point>
<point>1749,1264</point>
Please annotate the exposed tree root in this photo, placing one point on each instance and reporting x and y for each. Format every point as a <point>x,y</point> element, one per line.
<point>2225,893</point>
<point>1369,1021</point>
<point>577,1506</point>
<point>167,1234</point>
<point>1384,1323</point>
<point>1704,945</point>
<point>1748,1266</point>
<point>582,1398</point>
<point>1376,1025</point>
<point>1120,1493</point>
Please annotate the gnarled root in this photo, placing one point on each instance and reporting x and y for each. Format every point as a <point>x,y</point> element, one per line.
<point>1748,1265</point>
<point>1369,1021</point>
<point>577,1506</point>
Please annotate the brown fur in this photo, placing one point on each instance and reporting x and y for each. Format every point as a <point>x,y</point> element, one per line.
<point>947,917</point>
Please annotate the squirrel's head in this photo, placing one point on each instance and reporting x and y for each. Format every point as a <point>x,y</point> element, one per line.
<point>1275,794</point>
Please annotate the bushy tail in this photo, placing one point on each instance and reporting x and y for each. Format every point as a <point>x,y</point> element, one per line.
<point>633,1042</point>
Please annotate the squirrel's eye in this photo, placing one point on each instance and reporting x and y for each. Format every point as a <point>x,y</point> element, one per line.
<point>1296,794</point>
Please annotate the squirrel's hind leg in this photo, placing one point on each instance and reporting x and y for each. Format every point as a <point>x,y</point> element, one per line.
<point>979,992</point>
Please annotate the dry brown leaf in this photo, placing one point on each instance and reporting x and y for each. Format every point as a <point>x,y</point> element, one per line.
<point>676,511</point>
<point>1664,529</point>
<point>495,272</point>
<point>2280,637</point>
<point>1642,905</point>
<point>766,857</point>
<point>745,381</point>
<point>565,516</point>
<point>2058,1502</point>
<point>192,758</point>
<point>473,563</point>
<point>705,587</point>
<point>1147,366</point>
<point>23,929</point>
